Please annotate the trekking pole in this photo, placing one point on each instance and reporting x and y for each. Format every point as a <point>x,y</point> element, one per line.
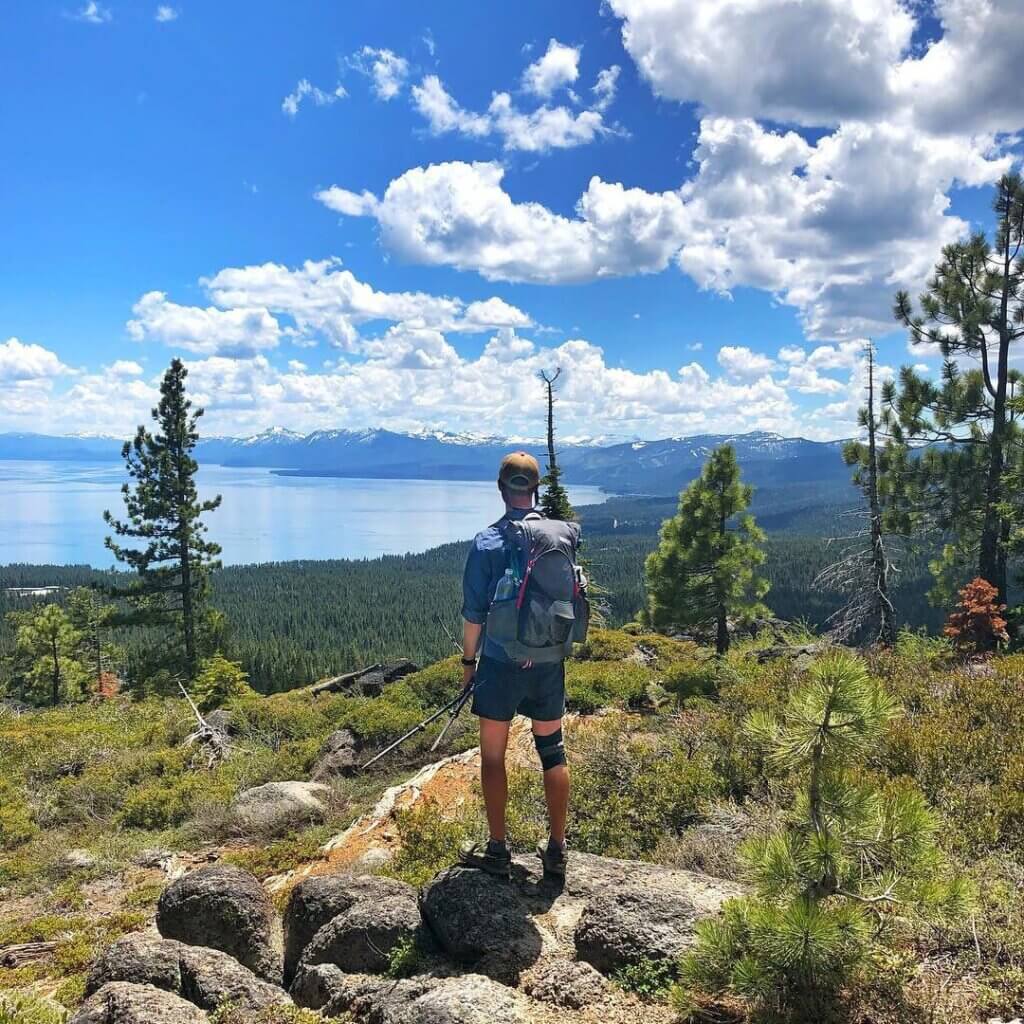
<point>456,703</point>
<point>466,693</point>
<point>448,632</point>
<point>452,708</point>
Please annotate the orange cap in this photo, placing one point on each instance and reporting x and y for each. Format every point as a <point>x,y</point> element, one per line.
<point>519,472</point>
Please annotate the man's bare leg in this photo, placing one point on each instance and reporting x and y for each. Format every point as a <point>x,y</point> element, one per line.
<point>493,778</point>
<point>556,787</point>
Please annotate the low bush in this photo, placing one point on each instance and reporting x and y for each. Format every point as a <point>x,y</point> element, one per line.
<point>430,840</point>
<point>17,826</point>
<point>282,855</point>
<point>18,1008</point>
<point>591,685</point>
<point>649,979</point>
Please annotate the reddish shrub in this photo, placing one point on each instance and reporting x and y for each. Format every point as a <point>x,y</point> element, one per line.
<point>976,624</point>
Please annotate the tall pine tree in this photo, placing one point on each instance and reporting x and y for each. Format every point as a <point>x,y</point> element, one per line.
<point>174,560</point>
<point>966,425</point>
<point>554,502</point>
<point>704,569</point>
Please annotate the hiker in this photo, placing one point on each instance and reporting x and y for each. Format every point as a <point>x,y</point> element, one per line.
<point>524,604</point>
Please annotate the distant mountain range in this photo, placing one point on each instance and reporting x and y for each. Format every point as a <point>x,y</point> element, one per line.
<point>635,467</point>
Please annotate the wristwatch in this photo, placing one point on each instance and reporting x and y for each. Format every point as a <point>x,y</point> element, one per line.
<point>468,661</point>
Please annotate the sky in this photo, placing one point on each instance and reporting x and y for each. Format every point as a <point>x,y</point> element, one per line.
<point>396,214</point>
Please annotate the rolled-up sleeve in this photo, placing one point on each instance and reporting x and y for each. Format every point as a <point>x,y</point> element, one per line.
<point>475,586</point>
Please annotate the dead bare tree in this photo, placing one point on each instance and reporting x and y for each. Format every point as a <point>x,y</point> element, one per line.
<point>863,571</point>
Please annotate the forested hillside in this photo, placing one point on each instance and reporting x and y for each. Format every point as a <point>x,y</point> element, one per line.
<point>293,622</point>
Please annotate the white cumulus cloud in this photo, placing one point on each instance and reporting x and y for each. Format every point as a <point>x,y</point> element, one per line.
<point>24,361</point>
<point>210,331</point>
<point>165,13</point>
<point>740,361</point>
<point>384,68</point>
<point>559,66</point>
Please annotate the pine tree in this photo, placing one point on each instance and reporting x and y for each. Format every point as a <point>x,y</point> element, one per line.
<point>703,570</point>
<point>852,859</point>
<point>47,646</point>
<point>864,568</point>
<point>164,513</point>
<point>554,502</point>
<point>92,618</point>
<point>220,681</point>
<point>973,310</point>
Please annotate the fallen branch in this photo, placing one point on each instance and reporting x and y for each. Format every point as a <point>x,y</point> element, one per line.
<point>341,682</point>
<point>25,952</point>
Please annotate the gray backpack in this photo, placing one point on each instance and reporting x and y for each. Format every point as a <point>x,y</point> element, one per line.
<point>540,607</point>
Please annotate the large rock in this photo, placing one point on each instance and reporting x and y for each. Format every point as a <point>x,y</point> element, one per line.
<point>206,977</point>
<point>633,924</point>
<point>121,1002</point>
<point>361,939</point>
<point>466,999</point>
<point>278,806</point>
<point>479,919</point>
<point>471,999</point>
<point>338,756</point>
<point>141,960</point>
<point>569,984</point>
<point>225,908</point>
<point>316,901</point>
<point>607,912</point>
<point>210,978</point>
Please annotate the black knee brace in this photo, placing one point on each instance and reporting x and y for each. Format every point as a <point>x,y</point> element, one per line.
<point>551,750</point>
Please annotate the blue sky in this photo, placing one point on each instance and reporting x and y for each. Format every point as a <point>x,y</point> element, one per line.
<point>394,214</point>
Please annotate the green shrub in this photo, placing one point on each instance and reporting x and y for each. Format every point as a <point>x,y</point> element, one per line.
<point>16,1008</point>
<point>687,679</point>
<point>649,979</point>
<point>404,959</point>
<point>436,684</point>
<point>16,824</point>
<point>591,685</point>
<point>159,805</point>
<point>219,682</point>
<point>283,855</point>
<point>376,720</point>
<point>430,840</point>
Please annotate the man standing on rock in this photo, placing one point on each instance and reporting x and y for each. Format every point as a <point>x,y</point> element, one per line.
<point>523,606</point>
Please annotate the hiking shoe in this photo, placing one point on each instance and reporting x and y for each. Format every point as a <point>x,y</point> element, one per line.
<point>553,858</point>
<point>478,855</point>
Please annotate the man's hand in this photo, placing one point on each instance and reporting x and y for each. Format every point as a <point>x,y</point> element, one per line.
<point>468,671</point>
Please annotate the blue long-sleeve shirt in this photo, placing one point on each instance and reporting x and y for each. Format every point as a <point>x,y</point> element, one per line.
<point>485,565</point>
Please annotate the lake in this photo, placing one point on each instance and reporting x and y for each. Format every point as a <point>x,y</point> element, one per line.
<point>52,512</point>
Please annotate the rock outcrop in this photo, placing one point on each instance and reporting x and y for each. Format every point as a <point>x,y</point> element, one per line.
<point>206,977</point>
<point>429,999</point>
<point>338,756</point>
<point>279,806</point>
<point>482,921</point>
<point>317,901</point>
<point>362,939</point>
<point>225,908</point>
<point>121,1002</point>
<point>475,949</point>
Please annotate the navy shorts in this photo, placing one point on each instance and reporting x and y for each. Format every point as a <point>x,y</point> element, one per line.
<point>503,690</point>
